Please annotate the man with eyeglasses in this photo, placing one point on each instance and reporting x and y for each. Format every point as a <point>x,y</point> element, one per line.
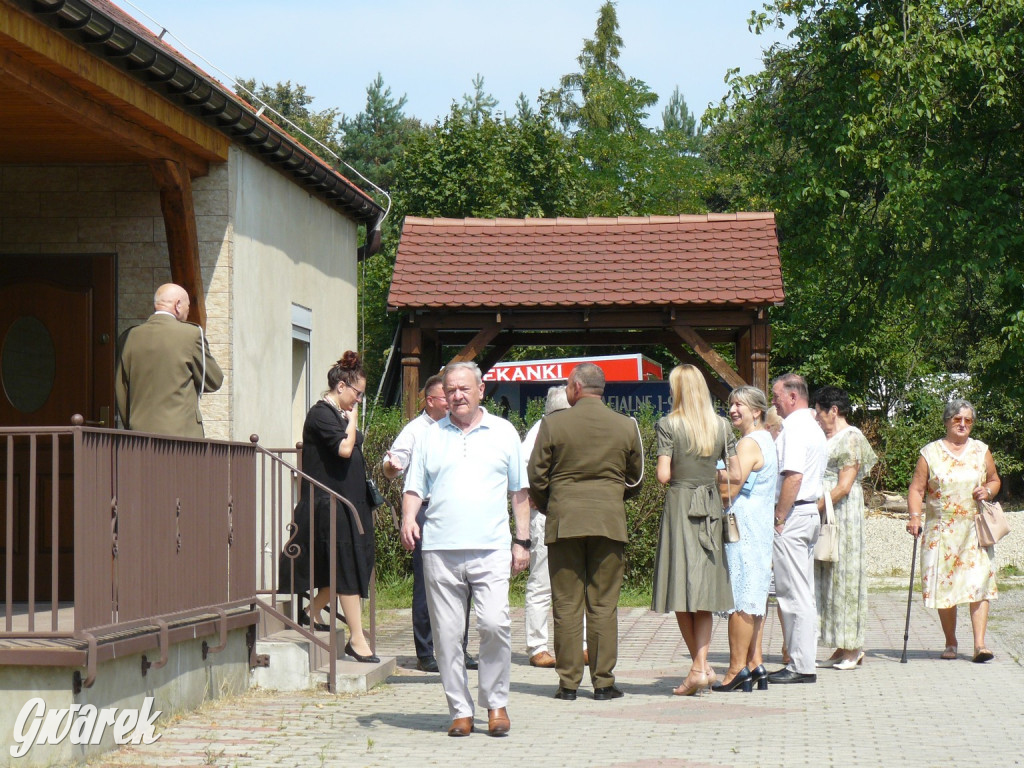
<point>396,461</point>
<point>469,464</point>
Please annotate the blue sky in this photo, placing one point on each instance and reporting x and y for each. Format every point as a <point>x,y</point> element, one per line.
<point>431,51</point>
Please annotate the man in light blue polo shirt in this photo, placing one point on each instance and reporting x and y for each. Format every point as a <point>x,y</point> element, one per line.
<point>468,464</point>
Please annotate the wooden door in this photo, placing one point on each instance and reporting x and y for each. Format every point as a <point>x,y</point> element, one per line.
<point>56,360</point>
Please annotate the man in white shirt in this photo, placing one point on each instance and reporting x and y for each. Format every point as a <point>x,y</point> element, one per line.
<point>468,464</point>
<point>538,584</point>
<point>801,448</point>
<point>396,461</point>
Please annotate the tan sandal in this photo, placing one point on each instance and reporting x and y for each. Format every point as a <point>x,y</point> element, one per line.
<point>981,655</point>
<point>949,654</point>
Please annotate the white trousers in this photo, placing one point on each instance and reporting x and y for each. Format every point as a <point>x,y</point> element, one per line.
<point>793,563</point>
<point>538,588</point>
<point>451,577</point>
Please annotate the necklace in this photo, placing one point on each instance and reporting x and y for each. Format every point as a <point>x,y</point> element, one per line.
<point>327,399</point>
<point>954,448</point>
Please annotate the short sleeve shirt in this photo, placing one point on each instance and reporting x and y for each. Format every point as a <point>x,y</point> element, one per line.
<point>404,447</point>
<point>801,448</point>
<point>467,476</point>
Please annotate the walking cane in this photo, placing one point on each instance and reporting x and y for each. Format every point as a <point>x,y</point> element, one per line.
<point>910,597</point>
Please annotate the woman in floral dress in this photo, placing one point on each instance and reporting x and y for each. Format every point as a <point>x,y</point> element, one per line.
<point>952,475</point>
<point>842,587</point>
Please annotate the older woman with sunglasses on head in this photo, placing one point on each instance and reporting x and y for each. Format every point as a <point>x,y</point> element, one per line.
<point>952,475</point>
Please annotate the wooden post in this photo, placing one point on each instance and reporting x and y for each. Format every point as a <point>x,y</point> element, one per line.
<point>760,344</point>
<point>182,237</point>
<point>411,351</point>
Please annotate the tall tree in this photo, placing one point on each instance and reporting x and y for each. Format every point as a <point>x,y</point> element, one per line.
<point>604,111</point>
<point>676,117</point>
<point>888,136</point>
<point>375,138</point>
<point>290,108</point>
<point>480,104</point>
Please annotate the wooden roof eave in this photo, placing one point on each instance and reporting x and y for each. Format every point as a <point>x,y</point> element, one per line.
<point>216,116</point>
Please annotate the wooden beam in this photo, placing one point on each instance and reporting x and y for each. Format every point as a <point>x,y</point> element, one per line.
<point>760,344</point>
<point>182,238</point>
<point>741,351</point>
<point>502,344</point>
<point>123,97</point>
<point>600,318</point>
<point>477,344</point>
<point>709,355</point>
<point>718,389</point>
<point>79,107</point>
<point>411,344</point>
<point>637,339</point>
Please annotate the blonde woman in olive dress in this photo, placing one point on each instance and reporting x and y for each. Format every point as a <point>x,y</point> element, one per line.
<point>690,572</point>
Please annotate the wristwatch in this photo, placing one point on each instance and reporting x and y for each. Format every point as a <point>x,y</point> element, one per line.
<point>524,543</point>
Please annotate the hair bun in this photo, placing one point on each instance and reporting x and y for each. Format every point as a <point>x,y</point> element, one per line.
<point>350,360</point>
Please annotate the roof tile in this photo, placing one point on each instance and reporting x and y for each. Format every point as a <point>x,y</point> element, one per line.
<point>658,260</point>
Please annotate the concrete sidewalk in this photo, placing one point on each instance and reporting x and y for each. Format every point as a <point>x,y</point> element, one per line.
<point>927,712</point>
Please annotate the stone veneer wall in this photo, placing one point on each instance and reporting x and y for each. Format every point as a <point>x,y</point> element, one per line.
<point>116,209</point>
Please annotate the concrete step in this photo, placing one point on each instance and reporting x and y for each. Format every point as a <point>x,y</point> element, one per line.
<point>357,677</point>
<point>297,664</point>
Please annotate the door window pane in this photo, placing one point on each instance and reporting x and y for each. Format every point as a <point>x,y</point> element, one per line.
<point>28,364</point>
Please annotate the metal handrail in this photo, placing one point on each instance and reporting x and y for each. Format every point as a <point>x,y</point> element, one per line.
<point>291,550</point>
<point>140,503</point>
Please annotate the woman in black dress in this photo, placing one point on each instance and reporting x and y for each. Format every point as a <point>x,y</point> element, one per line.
<point>332,454</point>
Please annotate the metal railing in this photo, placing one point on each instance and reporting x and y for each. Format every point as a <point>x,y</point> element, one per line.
<point>280,484</point>
<point>134,533</point>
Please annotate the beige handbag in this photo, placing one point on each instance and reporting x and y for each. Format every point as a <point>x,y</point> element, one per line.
<point>732,528</point>
<point>990,523</point>
<point>826,548</point>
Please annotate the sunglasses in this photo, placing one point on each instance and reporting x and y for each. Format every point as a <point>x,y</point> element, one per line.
<point>965,420</point>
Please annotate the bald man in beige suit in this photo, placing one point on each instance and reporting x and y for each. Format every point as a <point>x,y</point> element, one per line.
<point>587,460</point>
<point>164,366</point>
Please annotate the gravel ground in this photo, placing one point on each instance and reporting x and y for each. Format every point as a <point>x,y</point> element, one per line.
<point>889,548</point>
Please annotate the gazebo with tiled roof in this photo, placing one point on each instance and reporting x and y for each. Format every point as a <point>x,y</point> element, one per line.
<point>685,282</point>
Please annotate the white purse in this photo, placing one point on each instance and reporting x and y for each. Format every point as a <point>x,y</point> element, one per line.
<point>826,548</point>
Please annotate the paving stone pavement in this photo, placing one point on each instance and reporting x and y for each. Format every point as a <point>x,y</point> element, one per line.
<point>927,712</point>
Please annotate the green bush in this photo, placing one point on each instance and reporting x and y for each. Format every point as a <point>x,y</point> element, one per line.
<point>897,442</point>
<point>1000,424</point>
<point>643,511</point>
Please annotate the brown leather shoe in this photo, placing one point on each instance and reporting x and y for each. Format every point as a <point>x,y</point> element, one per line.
<point>542,659</point>
<point>498,722</point>
<point>461,726</point>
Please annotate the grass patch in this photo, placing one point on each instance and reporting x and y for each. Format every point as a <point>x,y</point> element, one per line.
<point>394,594</point>
<point>397,593</point>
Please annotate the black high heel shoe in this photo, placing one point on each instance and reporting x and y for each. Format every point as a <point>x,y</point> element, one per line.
<point>317,626</point>
<point>741,681</point>
<point>371,659</point>
<point>303,607</point>
<point>759,675</point>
